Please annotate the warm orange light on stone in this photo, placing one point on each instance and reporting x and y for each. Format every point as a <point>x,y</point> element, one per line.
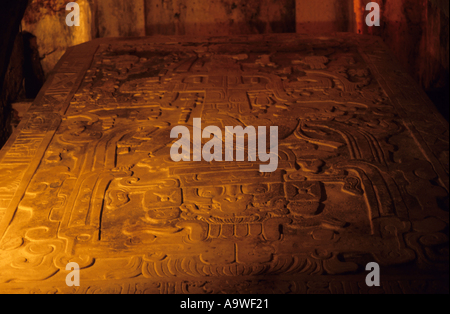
<point>87,177</point>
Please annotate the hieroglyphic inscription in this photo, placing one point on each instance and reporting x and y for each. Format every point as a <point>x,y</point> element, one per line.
<point>354,183</point>
<point>22,153</point>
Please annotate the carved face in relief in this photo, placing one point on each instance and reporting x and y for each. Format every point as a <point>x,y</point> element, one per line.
<point>237,199</point>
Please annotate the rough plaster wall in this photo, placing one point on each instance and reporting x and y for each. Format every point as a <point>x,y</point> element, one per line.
<point>119,18</point>
<point>11,88</point>
<point>219,17</point>
<point>443,5</point>
<point>403,30</point>
<point>46,19</point>
<point>415,30</point>
<point>10,45</point>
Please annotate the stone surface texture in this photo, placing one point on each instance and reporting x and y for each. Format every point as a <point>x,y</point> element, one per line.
<point>11,14</point>
<point>46,19</point>
<point>363,171</point>
<point>219,17</point>
<point>416,31</point>
<point>116,18</point>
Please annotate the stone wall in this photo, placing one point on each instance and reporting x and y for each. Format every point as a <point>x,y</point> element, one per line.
<point>11,13</point>
<point>219,17</point>
<point>417,33</point>
<point>415,30</point>
<point>325,16</point>
<point>46,20</point>
<point>117,18</point>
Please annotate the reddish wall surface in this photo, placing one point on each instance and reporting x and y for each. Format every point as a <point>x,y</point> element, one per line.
<point>415,30</point>
<point>11,13</point>
<point>417,33</point>
<point>219,17</point>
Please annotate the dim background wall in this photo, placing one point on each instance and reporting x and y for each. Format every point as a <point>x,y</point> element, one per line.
<point>415,30</point>
<point>11,49</point>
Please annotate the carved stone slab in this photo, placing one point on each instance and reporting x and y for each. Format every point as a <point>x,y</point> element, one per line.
<point>362,174</point>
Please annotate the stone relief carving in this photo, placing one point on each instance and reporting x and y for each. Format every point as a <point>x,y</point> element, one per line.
<point>360,176</point>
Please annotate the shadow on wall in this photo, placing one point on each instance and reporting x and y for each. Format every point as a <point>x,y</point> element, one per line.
<point>415,30</point>
<point>23,81</point>
<point>46,20</point>
<point>33,73</point>
<point>117,18</point>
<point>219,29</point>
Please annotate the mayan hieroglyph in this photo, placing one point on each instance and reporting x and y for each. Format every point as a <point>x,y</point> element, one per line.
<point>362,172</point>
